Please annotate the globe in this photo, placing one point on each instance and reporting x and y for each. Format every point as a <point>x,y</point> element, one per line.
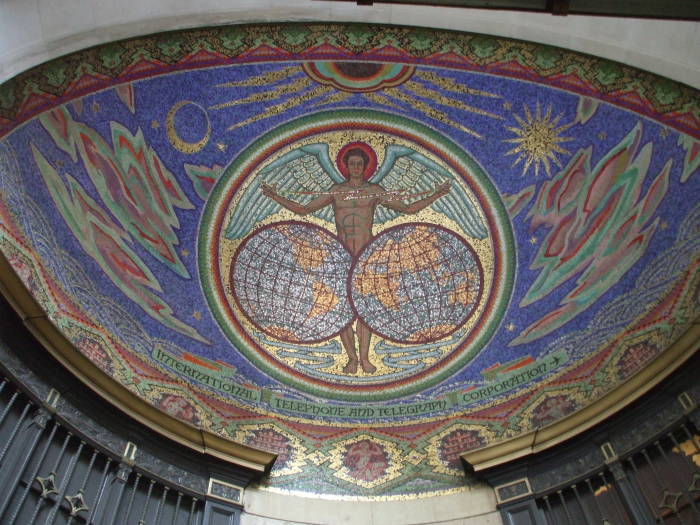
<point>290,281</point>
<point>416,283</point>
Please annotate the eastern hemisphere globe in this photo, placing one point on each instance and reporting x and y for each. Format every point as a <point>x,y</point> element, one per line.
<point>416,283</point>
<point>290,280</point>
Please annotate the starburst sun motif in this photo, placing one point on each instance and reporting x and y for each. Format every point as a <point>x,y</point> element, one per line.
<point>538,139</point>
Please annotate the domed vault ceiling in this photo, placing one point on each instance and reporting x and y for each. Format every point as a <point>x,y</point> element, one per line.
<point>366,249</point>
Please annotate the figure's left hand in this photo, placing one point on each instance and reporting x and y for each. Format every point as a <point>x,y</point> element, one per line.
<point>442,189</point>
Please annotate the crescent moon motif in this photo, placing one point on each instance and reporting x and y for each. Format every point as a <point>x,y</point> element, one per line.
<point>177,142</point>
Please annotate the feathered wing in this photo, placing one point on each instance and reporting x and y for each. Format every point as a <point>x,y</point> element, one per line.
<point>404,169</point>
<point>306,169</point>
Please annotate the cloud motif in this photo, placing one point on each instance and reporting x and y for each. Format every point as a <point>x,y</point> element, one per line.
<point>599,226</point>
<point>691,162</point>
<point>140,193</point>
<point>105,241</point>
<point>203,178</point>
<point>131,180</point>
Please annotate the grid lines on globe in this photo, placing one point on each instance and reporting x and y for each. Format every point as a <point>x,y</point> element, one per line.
<point>416,283</point>
<point>289,279</point>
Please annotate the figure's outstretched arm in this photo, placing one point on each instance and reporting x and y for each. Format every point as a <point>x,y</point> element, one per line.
<point>300,209</point>
<point>415,207</point>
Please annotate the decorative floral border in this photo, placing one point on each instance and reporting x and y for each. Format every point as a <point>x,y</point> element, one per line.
<point>90,70</point>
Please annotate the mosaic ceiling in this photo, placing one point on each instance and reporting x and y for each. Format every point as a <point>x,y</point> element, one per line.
<point>366,249</point>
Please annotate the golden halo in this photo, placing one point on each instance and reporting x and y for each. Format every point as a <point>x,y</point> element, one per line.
<point>174,138</point>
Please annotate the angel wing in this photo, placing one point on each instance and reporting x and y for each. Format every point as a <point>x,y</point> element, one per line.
<point>307,169</point>
<point>406,169</point>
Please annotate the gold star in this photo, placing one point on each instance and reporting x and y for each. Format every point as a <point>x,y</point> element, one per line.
<point>197,315</point>
<point>507,105</point>
<point>185,252</point>
<point>533,240</point>
<point>221,146</point>
<point>95,107</point>
<point>510,327</point>
<point>155,124</point>
<point>602,135</point>
<point>59,163</point>
<point>663,225</point>
<point>664,132</point>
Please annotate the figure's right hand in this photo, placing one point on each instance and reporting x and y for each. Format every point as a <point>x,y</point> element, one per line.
<point>268,191</point>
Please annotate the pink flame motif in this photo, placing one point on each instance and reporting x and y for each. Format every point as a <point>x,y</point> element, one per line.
<point>125,92</point>
<point>598,228</point>
<point>203,178</point>
<point>138,190</point>
<point>131,180</point>
<point>691,162</point>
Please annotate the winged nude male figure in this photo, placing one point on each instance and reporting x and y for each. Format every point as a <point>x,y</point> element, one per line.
<point>353,198</point>
<point>354,202</point>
